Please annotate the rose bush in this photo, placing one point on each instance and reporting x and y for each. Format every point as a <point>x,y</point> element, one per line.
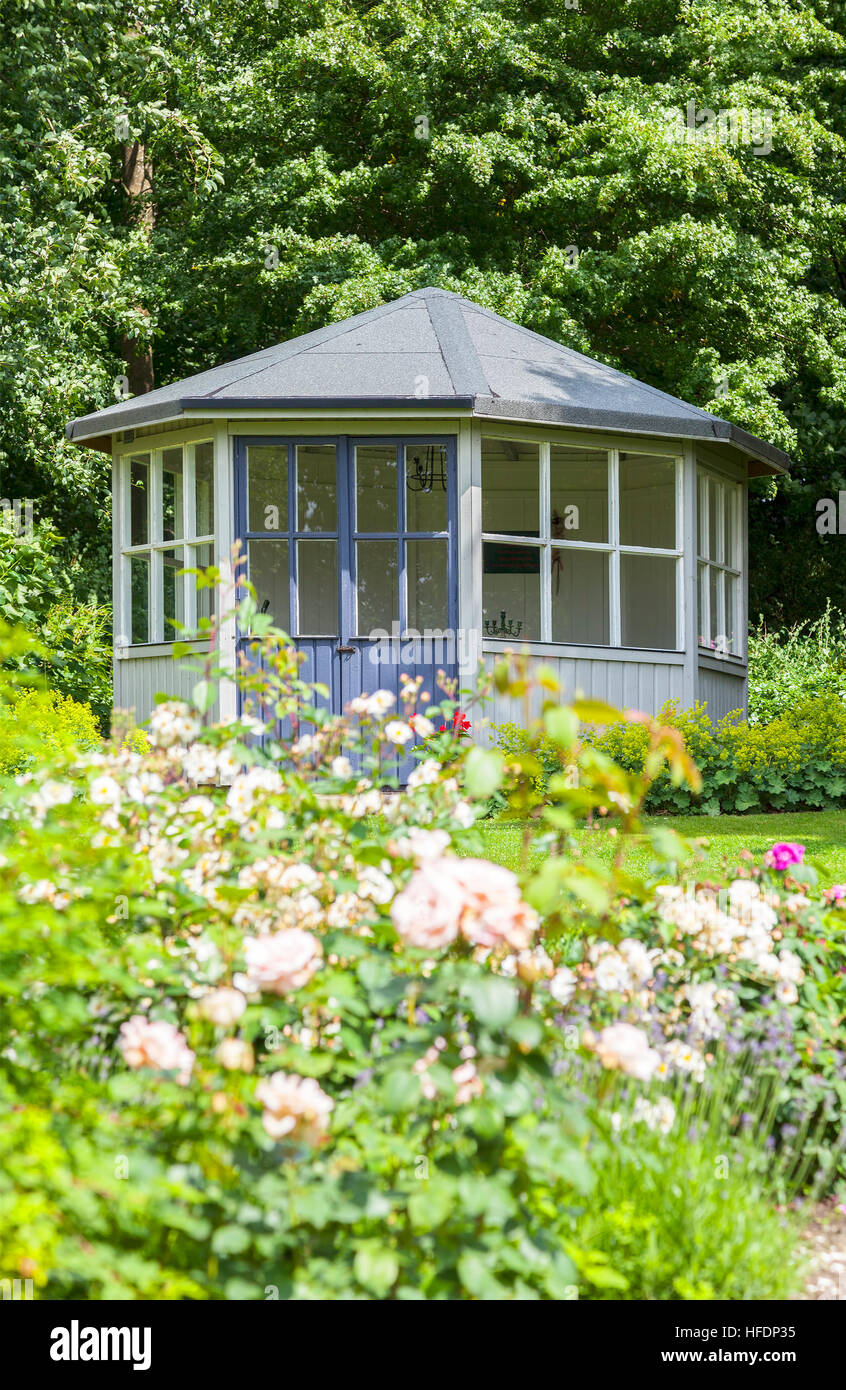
<point>271,1028</point>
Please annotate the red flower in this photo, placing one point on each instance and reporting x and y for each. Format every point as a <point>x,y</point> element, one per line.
<point>460,725</point>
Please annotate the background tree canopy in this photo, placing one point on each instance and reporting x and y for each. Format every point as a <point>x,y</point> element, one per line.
<point>158,159</point>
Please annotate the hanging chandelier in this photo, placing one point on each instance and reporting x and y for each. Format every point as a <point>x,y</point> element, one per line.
<point>429,472</point>
<point>506,627</point>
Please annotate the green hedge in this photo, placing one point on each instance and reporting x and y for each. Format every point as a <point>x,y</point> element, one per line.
<point>794,763</point>
<point>801,663</point>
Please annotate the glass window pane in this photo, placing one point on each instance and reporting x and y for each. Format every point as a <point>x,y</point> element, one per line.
<point>648,601</point>
<point>173,515</point>
<point>511,590</point>
<point>702,511</point>
<point>713,577</point>
<point>425,488</point>
<point>377,586</point>
<point>580,597</point>
<point>173,595</point>
<point>426,580</point>
<point>317,488</point>
<point>139,501</point>
<point>201,558</point>
<point>579,486</point>
<point>269,574</point>
<point>317,588</point>
<point>267,487</point>
<point>510,488</point>
<point>702,592</point>
<point>139,579</point>
<point>376,487</point>
<point>714,490</point>
<point>733,613</point>
<point>204,490</point>
<point>647,501</point>
<point>729,552</point>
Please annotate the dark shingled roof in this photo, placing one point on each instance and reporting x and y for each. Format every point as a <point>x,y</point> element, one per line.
<point>431,348</point>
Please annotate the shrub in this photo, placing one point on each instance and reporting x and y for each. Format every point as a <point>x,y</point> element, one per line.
<point>796,762</point>
<point>266,1034</point>
<point>803,663</point>
<point>78,637</point>
<point>73,638</point>
<point>41,726</point>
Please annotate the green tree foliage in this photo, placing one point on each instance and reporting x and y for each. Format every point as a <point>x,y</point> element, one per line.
<point>312,160</point>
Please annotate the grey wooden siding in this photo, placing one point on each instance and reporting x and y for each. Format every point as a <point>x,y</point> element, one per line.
<point>721,690</point>
<point>642,685</point>
<point>139,679</point>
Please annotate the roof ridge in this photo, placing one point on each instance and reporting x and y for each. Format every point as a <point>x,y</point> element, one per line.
<point>457,348</point>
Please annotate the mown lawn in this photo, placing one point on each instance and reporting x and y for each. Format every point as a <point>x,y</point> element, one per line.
<point>822,832</point>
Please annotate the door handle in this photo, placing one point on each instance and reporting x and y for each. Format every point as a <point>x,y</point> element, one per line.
<point>344,650</point>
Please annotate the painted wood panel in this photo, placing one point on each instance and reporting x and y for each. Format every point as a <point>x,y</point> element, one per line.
<point>139,679</point>
<point>643,685</point>
<point>722,691</point>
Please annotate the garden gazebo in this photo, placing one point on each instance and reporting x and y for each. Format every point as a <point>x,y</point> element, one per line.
<point>427,483</point>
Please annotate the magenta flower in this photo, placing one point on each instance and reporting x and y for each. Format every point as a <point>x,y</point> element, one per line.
<point>784,855</point>
<point>836,893</point>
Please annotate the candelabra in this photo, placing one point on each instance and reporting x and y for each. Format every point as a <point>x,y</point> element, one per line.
<point>506,627</point>
<point>429,471</point>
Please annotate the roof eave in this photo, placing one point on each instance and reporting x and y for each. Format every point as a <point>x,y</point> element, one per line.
<point>767,456</point>
<point>89,428</point>
<point>764,458</point>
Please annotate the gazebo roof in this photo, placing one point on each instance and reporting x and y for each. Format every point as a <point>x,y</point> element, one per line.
<point>430,349</point>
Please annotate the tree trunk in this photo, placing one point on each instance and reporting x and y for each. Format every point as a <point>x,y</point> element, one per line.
<point>137,182</point>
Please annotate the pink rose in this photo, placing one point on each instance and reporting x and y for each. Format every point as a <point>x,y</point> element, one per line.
<point>468,1082</point>
<point>494,913</point>
<point>294,1106</point>
<point>282,962</point>
<point>223,1006</point>
<point>427,911</point>
<point>784,854</point>
<point>159,1046</point>
<point>626,1048</point>
<point>480,900</point>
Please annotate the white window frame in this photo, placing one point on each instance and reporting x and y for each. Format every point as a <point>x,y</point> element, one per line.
<point>154,548</point>
<point>546,543</point>
<point>729,494</point>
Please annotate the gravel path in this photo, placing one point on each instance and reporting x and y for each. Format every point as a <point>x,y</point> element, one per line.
<point>824,1240</point>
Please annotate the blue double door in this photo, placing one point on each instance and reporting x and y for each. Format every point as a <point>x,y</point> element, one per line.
<point>350,545</point>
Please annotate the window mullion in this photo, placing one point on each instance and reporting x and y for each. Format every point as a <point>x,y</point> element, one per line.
<point>124,502</point>
<point>189,524</point>
<point>546,593</point>
<point>722,633</point>
<point>545,526</point>
<point>189,499</point>
<point>156,624</point>
<point>614,537</point>
<point>681,629</point>
<point>156,498</point>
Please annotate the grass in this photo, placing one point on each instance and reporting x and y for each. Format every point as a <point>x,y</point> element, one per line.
<point>822,832</point>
